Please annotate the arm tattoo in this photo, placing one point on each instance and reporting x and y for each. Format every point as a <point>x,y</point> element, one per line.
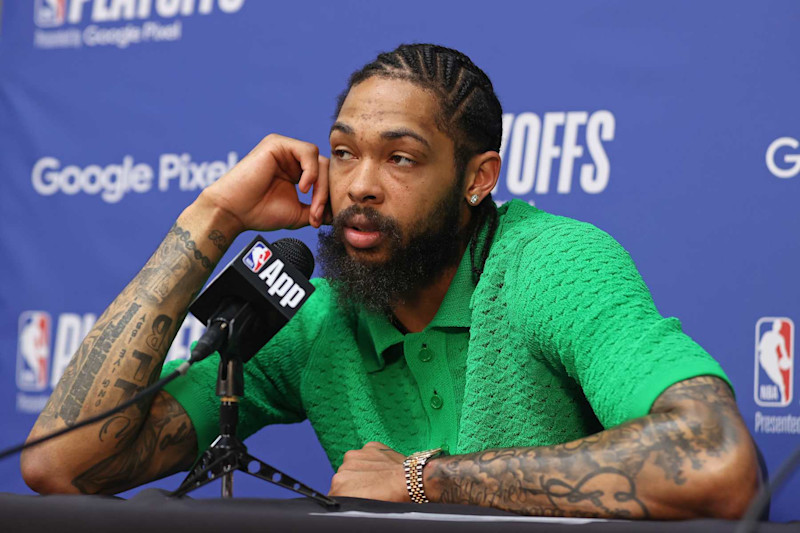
<point>167,431</point>
<point>186,238</point>
<point>98,353</point>
<point>165,273</point>
<point>160,330</point>
<point>218,239</point>
<point>173,265</point>
<point>81,375</point>
<point>50,413</point>
<point>123,354</point>
<point>603,474</point>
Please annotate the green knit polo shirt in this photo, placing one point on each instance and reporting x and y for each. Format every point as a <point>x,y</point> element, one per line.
<point>559,339</point>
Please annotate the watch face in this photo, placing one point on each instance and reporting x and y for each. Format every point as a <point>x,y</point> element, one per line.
<point>427,453</point>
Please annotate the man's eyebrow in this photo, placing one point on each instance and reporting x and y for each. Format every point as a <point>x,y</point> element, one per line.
<point>404,132</point>
<point>391,134</point>
<point>344,128</point>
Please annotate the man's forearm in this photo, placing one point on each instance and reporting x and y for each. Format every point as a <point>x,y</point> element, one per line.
<point>670,464</point>
<point>125,350</point>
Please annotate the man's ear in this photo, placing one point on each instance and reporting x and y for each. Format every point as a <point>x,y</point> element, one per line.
<point>483,171</point>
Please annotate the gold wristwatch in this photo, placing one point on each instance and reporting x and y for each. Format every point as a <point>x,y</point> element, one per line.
<point>413,466</point>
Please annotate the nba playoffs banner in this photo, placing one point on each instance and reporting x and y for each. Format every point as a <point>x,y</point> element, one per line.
<point>674,126</point>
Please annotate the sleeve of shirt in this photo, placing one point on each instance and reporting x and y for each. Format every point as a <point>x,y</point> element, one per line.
<point>589,312</point>
<point>272,379</point>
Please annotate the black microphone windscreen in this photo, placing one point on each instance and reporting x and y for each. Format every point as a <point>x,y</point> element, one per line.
<point>297,253</point>
<point>266,281</point>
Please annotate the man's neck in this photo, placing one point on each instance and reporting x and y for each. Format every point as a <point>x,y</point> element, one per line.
<point>418,310</point>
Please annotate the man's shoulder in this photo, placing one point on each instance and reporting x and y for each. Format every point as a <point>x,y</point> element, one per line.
<point>523,225</point>
<point>536,251</point>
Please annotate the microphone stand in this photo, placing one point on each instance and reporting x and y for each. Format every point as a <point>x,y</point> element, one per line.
<point>228,453</point>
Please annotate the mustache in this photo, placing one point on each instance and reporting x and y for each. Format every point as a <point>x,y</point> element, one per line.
<point>383,223</point>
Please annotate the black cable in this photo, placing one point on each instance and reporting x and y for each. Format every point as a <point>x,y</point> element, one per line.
<point>144,393</point>
<point>749,521</point>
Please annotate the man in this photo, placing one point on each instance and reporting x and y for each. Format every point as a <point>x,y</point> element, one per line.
<point>506,339</point>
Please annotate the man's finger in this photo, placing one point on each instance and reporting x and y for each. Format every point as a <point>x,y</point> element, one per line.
<point>302,219</point>
<point>366,464</point>
<point>308,156</point>
<point>320,197</point>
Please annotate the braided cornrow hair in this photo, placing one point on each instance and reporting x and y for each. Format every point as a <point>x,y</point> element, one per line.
<point>470,114</point>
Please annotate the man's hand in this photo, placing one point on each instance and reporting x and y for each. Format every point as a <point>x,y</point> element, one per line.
<point>260,192</point>
<point>375,472</point>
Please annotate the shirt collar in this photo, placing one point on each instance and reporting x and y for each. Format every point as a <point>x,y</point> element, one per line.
<point>377,334</point>
<point>455,310</point>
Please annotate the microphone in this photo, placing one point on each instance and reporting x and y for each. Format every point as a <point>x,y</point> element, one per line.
<point>253,298</point>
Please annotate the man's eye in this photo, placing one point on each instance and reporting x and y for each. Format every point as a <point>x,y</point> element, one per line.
<point>343,154</point>
<point>403,161</point>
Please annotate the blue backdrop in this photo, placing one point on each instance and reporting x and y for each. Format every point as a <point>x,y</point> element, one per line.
<point>674,126</point>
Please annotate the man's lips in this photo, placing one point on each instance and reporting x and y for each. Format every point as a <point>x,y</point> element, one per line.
<point>362,239</point>
<point>359,232</point>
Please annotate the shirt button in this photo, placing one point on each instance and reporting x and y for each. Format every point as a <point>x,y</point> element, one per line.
<point>436,401</point>
<point>425,355</point>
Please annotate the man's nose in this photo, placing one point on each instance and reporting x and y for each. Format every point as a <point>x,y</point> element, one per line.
<point>365,185</point>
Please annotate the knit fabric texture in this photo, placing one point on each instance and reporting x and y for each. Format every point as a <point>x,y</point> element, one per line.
<point>565,341</point>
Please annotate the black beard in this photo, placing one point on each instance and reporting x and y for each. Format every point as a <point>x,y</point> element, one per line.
<point>434,244</point>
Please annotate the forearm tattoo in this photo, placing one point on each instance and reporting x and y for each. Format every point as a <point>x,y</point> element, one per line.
<point>115,334</point>
<point>219,240</point>
<point>124,353</point>
<point>168,426</point>
<point>603,474</point>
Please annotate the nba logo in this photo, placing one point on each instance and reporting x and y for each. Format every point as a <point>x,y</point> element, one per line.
<point>33,350</point>
<point>257,257</point>
<point>774,369</point>
<point>49,13</point>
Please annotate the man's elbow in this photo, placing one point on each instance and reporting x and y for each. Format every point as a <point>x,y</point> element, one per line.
<point>734,483</point>
<point>43,475</point>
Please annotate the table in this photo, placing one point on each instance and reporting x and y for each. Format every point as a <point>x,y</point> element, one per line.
<point>151,511</point>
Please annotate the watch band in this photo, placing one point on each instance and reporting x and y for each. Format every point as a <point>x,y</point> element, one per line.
<point>413,466</point>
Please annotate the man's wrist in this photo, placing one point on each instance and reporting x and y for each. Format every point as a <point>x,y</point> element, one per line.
<point>211,209</point>
<point>205,218</point>
<point>413,467</point>
<point>432,477</point>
